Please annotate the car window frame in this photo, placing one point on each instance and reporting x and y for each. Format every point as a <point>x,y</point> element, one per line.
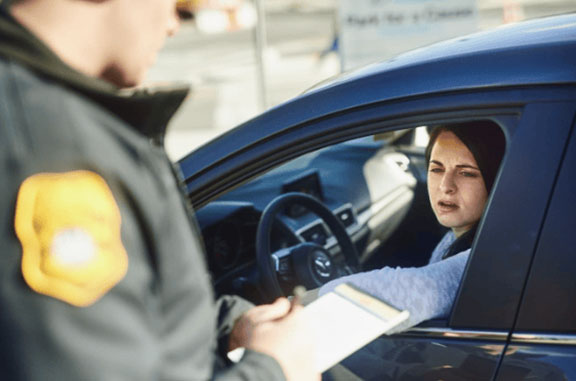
<point>277,146</point>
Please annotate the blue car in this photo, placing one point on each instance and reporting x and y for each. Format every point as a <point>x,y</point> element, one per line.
<point>334,182</point>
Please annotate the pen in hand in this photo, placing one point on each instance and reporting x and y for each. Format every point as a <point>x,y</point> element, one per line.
<point>238,350</point>
<point>298,292</point>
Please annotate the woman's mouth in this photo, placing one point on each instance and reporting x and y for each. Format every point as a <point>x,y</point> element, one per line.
<point>446,206</point>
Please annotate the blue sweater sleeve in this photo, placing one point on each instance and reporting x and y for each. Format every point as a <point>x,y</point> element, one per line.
<point>426,292</point>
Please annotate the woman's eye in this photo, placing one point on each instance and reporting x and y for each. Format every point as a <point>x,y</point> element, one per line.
<point>469,174</point>
<point>436,170</point>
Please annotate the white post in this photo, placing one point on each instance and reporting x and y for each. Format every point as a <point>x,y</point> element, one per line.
<point>260,43</point>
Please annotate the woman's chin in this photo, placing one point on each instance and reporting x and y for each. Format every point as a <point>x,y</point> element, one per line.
<point>448,221</point>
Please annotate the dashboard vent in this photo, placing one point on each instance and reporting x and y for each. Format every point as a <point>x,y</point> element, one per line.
<point>346,216</point>
<point>316,233</point>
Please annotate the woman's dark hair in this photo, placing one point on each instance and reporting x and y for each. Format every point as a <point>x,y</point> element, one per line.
<point>486,142</point>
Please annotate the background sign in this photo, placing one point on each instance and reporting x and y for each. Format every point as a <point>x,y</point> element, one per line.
<point>373,30</point>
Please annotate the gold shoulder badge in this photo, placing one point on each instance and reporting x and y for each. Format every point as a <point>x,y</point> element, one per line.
<point>69,228</point>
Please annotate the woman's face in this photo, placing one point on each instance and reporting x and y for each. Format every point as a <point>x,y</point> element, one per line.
<point>455,185</point>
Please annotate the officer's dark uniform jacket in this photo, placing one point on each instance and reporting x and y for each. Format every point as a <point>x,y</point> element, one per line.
<point>160,321</point>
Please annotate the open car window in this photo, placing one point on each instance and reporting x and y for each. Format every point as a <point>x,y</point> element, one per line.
<point>375,186</point>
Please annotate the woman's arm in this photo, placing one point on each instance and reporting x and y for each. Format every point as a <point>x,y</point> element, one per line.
<point>427,292</point>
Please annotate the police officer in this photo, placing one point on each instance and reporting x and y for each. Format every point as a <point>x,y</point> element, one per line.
<point>101,273</point>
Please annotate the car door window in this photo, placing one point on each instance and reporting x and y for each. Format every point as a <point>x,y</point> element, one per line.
<point>376,186</point>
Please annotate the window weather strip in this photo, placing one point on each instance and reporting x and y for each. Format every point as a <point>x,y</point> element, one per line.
<point>542,338</point>
<point>460,334</point>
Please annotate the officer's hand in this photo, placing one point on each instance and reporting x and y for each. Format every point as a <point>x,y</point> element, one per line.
<point>244,326</point>
<point>282,333</point>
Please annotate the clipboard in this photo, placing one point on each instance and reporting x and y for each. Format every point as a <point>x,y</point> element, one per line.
<point>343,321</point>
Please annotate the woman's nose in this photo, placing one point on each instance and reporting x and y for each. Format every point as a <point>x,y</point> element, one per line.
<point>447,184</point>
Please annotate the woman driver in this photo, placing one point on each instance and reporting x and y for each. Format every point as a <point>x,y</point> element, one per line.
<point>463,161</point>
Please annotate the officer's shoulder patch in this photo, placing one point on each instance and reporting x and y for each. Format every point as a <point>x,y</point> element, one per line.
<point>69,227</point>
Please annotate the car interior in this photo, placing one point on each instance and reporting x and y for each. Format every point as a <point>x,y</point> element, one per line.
<point>281,228</point>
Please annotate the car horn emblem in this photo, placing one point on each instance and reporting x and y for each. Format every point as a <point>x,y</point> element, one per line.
<point>322,265</point>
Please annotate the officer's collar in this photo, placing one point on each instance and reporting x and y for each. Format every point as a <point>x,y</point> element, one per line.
<point>147,110</point>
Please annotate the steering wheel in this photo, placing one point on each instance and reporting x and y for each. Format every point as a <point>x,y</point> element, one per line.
<point>306,263</point>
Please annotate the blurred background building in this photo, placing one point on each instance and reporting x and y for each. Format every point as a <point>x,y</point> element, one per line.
<point>238,68</point>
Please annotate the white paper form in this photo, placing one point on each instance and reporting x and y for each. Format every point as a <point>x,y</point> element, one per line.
<point>345,320</point>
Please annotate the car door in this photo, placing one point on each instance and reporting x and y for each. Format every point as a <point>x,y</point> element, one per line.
<point>470,343</point>
<point>543,344</point>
